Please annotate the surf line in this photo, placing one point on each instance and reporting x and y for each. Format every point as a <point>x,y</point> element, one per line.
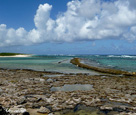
<point>77,62</point>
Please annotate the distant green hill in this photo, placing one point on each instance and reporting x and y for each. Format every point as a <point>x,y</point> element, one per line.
<point>10,54</point>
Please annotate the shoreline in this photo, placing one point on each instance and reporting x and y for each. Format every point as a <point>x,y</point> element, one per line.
<point>30,91</point>
<point>18,56</point>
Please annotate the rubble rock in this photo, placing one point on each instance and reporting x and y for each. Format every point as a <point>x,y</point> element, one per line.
<point>43,110</point>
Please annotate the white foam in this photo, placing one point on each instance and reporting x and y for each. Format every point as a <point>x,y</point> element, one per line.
<point>122,56</point>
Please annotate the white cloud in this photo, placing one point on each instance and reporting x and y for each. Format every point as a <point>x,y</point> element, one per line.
<point>130,34</point>
<point>83,20</point>
<point>42,16</point>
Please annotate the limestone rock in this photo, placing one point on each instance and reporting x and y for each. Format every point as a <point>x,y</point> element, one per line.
<point>42,80</point>
<point>49,80</point>
<point>77,100</point>
<point>43,110</point>
<point>22,100</point>
<point>16,110</point>
<point>106,107</point>
<point>50,114</point>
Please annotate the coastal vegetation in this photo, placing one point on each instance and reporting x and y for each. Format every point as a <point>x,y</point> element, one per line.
<point>10,54</point>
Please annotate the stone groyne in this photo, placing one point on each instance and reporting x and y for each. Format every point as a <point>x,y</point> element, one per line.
<point>77,61</point>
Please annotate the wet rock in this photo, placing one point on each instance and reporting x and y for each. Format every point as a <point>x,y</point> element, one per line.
<point>27,80</point>
<point>42,80</point>
<point>124,113</point>
<point>76,100</point>
<point>2,111</point>
<point>1,90</point>
<point>33,98</point>
<point>70,106</point>
<point>22,100</point>
<point>28,84</point>
<point>70,102</point>
<point>16,110</point>
<point>39,79</point>
<point>91,101</point>
<point>127,95</point>
<point>36,105</point>
<point>50,80</point>
<point>50,114</point>
<point>103,76</point>
<point>133,96</point>
<point>49,100</point>
<point>43,110</point>
<point>26,113</point>
<point>122,99</point>
<point>57,107</point>
<point>106,107</point>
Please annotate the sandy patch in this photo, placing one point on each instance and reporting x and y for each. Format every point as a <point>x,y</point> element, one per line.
<point>17,56</point>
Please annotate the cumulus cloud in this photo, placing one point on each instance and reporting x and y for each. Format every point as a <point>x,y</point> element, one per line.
<point>83,20</point>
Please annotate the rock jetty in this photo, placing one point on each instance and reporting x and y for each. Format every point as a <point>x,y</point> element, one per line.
<point>76,61</point>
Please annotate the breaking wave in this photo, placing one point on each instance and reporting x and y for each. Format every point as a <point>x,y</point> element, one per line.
<point>122,56</point>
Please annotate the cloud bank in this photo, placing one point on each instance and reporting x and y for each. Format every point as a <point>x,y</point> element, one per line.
<point>84,20</point>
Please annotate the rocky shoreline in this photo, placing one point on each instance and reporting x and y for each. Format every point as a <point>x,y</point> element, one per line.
<point>24,92</point>
<point>77,62</point>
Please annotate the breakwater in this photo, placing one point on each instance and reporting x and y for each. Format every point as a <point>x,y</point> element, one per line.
<point>77,61</point>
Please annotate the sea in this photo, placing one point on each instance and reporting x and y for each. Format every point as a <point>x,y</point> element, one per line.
<point>61,63</point>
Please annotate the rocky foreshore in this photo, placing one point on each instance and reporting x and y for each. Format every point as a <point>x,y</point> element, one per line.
<point>24,92</point>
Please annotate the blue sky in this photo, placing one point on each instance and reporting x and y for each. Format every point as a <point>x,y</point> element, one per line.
<point>66,27</point>
<point>20,13</point>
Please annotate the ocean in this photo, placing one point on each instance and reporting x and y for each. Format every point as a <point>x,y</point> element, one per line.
<point>61,63</point>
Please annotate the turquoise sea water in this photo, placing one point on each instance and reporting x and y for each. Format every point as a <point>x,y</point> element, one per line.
<point>121,62</point>
<point>51,63</point>
<point>41,63</point>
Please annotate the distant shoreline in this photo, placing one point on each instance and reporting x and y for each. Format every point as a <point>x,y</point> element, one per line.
<point>18,56</point>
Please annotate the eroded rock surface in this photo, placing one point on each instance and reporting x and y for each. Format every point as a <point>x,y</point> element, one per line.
<point>23,89</point>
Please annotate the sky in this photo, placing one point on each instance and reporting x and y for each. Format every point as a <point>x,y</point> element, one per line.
<point>68,27</point>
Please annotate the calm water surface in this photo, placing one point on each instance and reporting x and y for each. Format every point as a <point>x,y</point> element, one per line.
<point>62,63</point>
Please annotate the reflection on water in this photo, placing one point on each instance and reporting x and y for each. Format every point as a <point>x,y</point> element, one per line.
<point>43,63</point>
<point>54,75</point>
<point>62,63</point>
<point>73,87</point>
<point>84,110</point>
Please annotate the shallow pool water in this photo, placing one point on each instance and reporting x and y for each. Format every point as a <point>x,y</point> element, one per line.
<point>74,87</point>
<point>84,110</point>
